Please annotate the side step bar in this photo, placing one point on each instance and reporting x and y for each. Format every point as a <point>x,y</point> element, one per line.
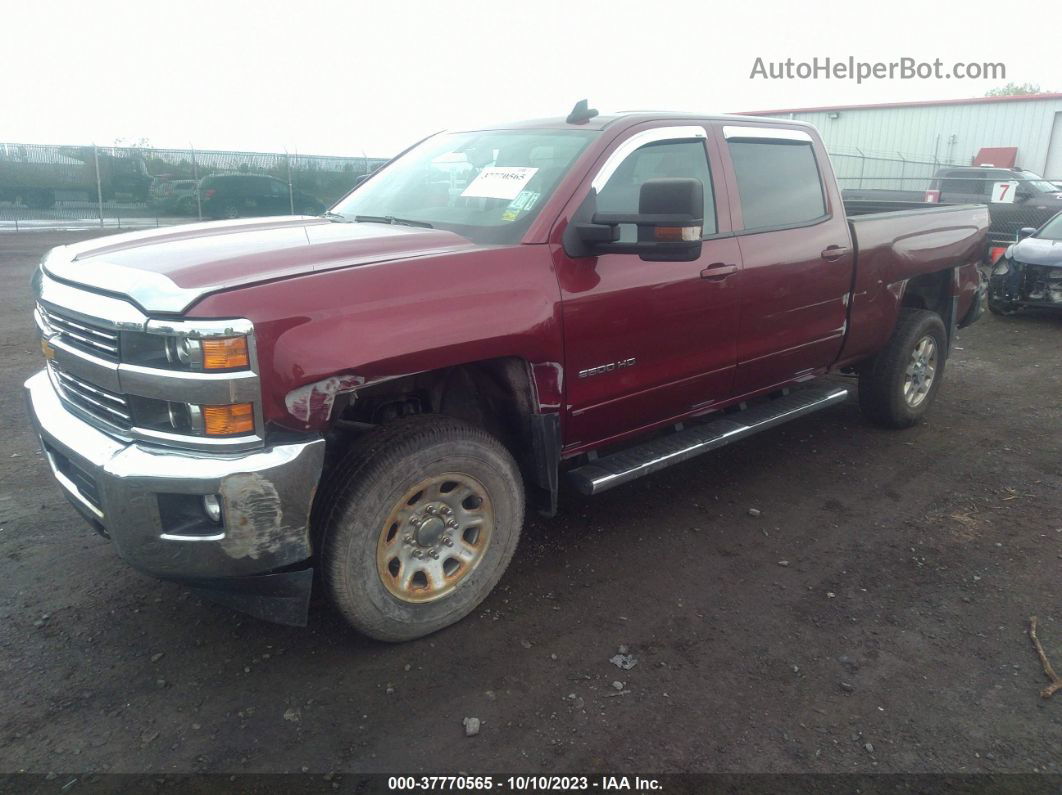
<point>609,471</point>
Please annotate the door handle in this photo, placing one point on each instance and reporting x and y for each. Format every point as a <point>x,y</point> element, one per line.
<point>834,253</point>
<point>718,271</point>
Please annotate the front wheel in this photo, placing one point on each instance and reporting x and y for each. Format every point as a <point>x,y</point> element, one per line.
<point>897,388</point>
<point>420,522</point>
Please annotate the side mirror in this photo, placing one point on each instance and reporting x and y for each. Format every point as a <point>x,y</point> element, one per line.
<point>1026,231</point>
<point>670,220</point>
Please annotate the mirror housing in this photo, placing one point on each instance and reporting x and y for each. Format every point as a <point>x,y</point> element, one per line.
<point>1026,231</point>
<point>670,222</point>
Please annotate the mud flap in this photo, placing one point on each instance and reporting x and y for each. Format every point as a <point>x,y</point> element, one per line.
<point>282,598</point>
<point>545,444</point>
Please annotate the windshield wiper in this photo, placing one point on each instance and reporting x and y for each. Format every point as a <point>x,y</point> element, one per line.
<point>390,219</point>
<point>335,217</point>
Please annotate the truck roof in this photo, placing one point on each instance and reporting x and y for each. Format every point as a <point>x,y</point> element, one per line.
<point>625,119</point>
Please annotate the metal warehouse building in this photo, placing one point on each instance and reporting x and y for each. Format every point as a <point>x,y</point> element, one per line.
<point>907,141</point>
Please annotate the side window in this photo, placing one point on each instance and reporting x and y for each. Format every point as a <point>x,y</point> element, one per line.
<point>778,182</point>
<point>967,185</point>
<point>654,161</point>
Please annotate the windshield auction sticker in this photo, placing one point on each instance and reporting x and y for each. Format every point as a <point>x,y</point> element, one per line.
<point>499,182</point>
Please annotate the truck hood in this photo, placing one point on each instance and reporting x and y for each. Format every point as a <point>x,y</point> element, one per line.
<point>168,270</point>
<point>1037,251</point>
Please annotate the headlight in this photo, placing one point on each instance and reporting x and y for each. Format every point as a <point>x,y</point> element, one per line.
<point>182,352</point>
<point>226,353</point>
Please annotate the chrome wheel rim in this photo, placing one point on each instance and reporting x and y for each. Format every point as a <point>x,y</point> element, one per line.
<point>920,372</point>
<point>435,536</point>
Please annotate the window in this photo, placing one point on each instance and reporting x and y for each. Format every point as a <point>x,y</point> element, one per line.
<point>967,184</point>
<point>686,159</point>
<point>487,186</point>
<point>778,182</point>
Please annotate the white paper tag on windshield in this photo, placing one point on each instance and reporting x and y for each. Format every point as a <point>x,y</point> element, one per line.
<point>499,182</point>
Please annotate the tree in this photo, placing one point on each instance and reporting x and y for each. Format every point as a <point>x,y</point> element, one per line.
<point>1014,90</point>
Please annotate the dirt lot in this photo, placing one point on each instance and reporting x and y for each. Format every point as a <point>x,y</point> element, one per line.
<point>872,618</point>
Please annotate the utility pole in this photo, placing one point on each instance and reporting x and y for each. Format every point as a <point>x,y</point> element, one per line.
<point>195,176</point>
<point>99,183</point>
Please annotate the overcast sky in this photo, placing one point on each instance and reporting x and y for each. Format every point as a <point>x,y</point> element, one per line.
<point>351,77</point>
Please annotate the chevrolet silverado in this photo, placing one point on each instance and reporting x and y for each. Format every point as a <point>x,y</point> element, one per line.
<point>368,399</point>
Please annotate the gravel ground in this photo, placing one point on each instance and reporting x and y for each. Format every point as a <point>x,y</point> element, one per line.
<point>871,617</point>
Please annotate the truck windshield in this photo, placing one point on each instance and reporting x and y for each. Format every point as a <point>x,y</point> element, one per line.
<point>1052,230</point>
<point>1037,183</point>
<point>487,186</point>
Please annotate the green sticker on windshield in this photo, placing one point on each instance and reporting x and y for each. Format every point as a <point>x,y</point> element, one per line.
<point>524,200</point>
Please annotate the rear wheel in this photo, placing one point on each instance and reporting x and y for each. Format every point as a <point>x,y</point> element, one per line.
<point>897,388</point>
<point>420,522</point>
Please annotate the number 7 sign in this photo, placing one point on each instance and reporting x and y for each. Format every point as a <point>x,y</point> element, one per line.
<point>1003,192</point>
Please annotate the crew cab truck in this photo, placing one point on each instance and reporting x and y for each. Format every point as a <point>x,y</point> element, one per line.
<point>371,398</point>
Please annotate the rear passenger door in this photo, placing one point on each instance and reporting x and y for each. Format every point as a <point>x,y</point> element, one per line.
<point>796,256</point>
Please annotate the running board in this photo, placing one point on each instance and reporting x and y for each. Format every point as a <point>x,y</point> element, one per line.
<point>609,471</point>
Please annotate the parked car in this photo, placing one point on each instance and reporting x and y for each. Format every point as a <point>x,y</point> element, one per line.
<point>373,397</point>
<point>1030,272</point>
<point>174,196</point>
<point>1034,200</point>
<point>79,172</point>
<point>243,195</point>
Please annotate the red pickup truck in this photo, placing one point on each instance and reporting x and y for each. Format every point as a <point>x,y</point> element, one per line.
<point>373,395</point>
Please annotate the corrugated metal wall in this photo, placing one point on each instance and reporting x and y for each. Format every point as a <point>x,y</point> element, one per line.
<point>941,133</point>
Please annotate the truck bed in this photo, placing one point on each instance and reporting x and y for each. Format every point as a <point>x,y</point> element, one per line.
<point>900,244</point>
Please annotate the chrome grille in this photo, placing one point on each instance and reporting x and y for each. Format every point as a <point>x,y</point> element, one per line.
<point>97,401</point>
<point>97,340</point>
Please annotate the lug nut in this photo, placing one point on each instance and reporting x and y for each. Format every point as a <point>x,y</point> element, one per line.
<point>448,541</point>
<point>434,554</point>
<point>452,524</point>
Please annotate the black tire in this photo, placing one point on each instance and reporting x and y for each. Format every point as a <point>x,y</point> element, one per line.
<point>883,383</point>
<point>186,206</point>
<point>230,211</point>
<point>1003,308</point>
<point>357,515</point>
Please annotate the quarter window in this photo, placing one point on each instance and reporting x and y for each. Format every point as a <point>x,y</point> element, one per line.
<point>778,182</point>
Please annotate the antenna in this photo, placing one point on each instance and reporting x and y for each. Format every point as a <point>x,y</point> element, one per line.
<point>581,113</point>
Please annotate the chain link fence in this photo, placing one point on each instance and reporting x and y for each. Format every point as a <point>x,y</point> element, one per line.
<point>131,187</point>
<point>1015,199</point>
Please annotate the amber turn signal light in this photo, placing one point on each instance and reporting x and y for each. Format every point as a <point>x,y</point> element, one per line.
<point>228,420</point>
<point>225,354</point>
<point>676,234</point>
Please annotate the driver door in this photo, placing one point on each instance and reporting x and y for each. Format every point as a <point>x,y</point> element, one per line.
<point>650,342</point>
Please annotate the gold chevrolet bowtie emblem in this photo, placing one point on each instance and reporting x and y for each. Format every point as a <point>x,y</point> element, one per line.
<point>47,350</point>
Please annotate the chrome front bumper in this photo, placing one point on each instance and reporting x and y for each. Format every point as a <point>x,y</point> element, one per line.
<point>144,498</point>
